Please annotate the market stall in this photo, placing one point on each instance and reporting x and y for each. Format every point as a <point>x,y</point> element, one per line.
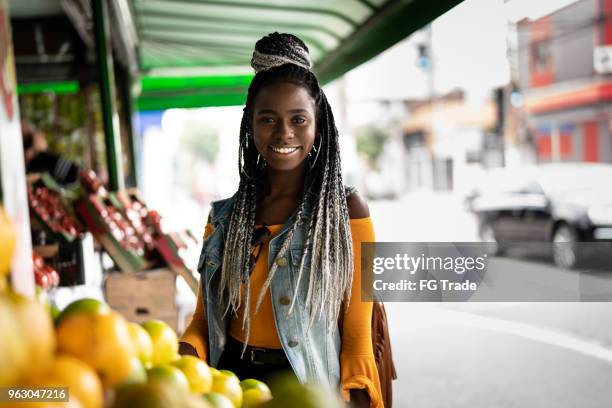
<point>81,252</point>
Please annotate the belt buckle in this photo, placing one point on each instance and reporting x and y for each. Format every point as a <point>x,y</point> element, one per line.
<point>253,350</point>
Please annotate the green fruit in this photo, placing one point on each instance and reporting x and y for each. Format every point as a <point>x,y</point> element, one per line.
<point>228,372</point>
<point>255,397</point>
<point>168,374</point>
<point>227,383</point>
<point>165,342</point>
<point>197,372</point>
<point>288,391</point>
<point>142,343</point>
<point>138,375</point>
<point>251,383</point>
<point>156,395</point>
<point>92,306</point>
<point>217,400</point>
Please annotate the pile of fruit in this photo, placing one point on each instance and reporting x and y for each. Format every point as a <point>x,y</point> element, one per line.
<point>101,216</point>
<point>136,212</point>
<point>48,207</point>
<point>44,275</point>
<point>106,361</point>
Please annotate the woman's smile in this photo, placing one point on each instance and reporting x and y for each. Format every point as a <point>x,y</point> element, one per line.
<point>284,150</point>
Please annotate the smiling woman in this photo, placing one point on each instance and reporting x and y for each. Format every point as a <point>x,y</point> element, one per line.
<point>284,125</point>
<point>280,265</point>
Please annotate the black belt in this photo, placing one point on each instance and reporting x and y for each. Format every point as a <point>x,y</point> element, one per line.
<point>258,355</point>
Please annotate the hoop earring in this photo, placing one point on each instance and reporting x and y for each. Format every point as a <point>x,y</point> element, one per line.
<point>316,150</point>
<point>263,161</point>
<point>243,148</point>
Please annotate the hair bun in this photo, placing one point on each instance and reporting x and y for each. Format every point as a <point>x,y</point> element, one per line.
<point>277,49</point>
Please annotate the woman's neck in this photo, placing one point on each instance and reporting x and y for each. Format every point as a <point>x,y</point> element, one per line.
<point>286,183</point>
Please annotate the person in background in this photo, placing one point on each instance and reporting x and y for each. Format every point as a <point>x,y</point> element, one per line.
<point>39,160</point>
<point>280,265</point>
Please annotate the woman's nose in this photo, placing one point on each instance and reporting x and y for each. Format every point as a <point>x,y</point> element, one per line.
<point>283,130</point>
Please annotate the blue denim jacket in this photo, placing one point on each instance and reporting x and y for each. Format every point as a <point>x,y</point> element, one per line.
<point>314,354</point>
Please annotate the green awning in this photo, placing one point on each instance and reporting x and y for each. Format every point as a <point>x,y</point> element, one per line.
<point>197,52</point>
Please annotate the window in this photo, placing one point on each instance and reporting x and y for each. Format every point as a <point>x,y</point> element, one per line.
<point>542,57</point>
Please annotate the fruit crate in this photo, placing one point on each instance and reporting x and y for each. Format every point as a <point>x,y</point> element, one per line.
<point>113,232</point>
<point>170,247</point>
<point>67,258</point>
<point>147,224</point>
<point>51,209</point>
<point>143,296</point>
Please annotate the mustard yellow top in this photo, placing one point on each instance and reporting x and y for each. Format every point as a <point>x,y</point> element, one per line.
<point>357,364</point>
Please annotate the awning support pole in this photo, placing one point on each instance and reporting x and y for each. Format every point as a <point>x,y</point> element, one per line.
<point>106,78</point>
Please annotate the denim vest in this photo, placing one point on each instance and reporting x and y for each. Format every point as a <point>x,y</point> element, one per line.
<point>314,354</point>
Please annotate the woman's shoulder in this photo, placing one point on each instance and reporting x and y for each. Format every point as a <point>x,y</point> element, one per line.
<point>357,205</point>
<point>221,208</point>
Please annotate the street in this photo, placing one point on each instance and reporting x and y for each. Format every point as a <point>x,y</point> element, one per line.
<point>475,355</point>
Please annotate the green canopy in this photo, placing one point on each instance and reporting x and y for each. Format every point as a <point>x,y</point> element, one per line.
<point>196,53</point>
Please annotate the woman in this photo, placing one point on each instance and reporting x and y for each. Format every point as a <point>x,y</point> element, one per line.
<point>281,258</point>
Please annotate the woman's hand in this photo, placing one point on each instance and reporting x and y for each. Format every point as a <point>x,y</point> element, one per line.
<point>359,399</point>
<point>186,349</point>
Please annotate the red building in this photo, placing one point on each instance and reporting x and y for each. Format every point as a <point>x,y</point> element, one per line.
<point>565,72</point>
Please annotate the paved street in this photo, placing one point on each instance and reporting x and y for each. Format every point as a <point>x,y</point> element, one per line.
<point>492,354</point>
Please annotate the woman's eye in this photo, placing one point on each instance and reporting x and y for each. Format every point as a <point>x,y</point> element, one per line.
<point>299,120</point>
<point>267,120</point>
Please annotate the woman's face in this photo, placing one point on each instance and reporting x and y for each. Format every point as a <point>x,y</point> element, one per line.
<point>284,125</point>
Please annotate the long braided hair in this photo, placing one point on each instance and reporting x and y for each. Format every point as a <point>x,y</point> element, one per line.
<point>328,239</point>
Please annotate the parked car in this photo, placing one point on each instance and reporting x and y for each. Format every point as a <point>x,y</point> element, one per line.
<point>562,205</point>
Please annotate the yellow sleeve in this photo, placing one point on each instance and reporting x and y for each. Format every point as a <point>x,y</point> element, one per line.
<point>196,334</point>
<point>357,364</point>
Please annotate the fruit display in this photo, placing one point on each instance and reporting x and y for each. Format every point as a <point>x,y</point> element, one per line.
<point>52,211</point>
<point>135,211</point>
<point>106,361</point>
<point>113,231</point>
<point>44,275</point>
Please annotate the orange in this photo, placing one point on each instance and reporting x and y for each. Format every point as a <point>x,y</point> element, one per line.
<point>168,374</point>
<point>102,340</point>
<point>197,372</point>
<point>13,355</point>
<point>156,394</point>
<point>250,383</point>
<point>138,374</point>
<point>254,393</point>
<point>37,334</point>
<point>86,305</point>
<point>7,245</point>
<point>217,400</point>
<point>81,379</point>
<point>255,397</point>
<point>165,342</point>
<point>226,383</point>
<point>47,382</point>
<point>142,343</point>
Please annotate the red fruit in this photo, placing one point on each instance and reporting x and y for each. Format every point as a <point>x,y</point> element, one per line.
<point>38,261</point>
<point>42,279</point>
<point>54,278</point>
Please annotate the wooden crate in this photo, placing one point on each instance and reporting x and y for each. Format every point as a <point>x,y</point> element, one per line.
<point>143,296</point>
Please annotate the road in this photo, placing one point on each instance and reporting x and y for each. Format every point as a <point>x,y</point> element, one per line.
<point>492,354</point>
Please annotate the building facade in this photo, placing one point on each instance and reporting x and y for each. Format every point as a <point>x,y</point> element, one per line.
<point>565,74</point>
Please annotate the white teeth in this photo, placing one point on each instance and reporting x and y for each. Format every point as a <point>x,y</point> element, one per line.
<point>284,150</point>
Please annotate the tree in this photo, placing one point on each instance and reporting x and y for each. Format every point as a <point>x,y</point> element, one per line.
<point>370,142</point>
